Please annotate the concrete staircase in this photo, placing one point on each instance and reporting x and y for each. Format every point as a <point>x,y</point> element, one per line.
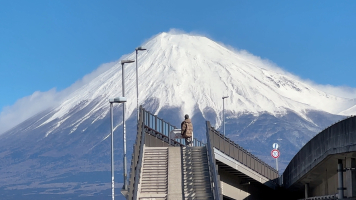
<point>195,172</point>
<point>175,173</point>
<point>154,174</point>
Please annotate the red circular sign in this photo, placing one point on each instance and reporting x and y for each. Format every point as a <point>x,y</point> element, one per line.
<point>275,153</point>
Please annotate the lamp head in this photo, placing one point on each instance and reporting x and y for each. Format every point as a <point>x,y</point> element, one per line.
<point>140,49</point>
<point>118,100</point>
<point>225,97</point>
<point>127,61</point>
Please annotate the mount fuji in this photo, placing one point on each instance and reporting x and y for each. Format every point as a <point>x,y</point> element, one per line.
<point>65,150</point>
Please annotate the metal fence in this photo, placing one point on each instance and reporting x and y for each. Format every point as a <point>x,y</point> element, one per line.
<point>160,129</point>
<point>238,153</point>
<point>213,169</point>
<point>136,160</point>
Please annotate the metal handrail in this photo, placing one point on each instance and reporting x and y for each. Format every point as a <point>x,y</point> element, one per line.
<point>139,164</point>
<point>161,127</point>
<point>212,165</point>
<point>162,137</point>
<point>243,150</point>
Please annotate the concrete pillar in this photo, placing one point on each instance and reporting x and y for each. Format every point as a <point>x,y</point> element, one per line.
<point>326,183</point>
<point>306,190</point>
<point>350,178</point>
<point>340,175</point>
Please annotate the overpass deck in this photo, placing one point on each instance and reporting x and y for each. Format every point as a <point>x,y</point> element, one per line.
<point>164,168</point>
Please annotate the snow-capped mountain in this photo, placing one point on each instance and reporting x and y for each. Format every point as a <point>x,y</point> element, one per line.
<point>188,71</point>
<point>179,74</point>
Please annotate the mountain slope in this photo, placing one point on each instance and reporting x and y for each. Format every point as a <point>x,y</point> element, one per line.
<point>178,74</point>
<point>184,71</point>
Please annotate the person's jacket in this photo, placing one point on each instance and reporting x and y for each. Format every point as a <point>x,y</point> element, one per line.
<point>187,128</point>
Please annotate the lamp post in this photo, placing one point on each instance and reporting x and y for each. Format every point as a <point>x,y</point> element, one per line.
<point>223,98</point>
<point>137,49</point>
<point>115,100</point>
<point>123,119</point>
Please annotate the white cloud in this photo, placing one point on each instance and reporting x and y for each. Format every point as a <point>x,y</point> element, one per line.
<point>39,101</point>
<point>340,91</point>
<point>26,107</point>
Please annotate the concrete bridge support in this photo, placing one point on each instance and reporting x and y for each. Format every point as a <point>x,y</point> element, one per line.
<point>350,177</point>
<point>306,190</point>
<point>340,177</point>
<point>236,186</point>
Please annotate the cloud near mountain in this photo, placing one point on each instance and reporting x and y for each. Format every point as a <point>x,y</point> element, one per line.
<point>39,101</point>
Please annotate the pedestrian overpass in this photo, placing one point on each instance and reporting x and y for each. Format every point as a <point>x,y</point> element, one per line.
<point>325,167</point>
<point>164,168</point>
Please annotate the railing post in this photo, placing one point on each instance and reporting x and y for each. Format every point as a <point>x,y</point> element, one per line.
<point>162,125</point>
<point>156,123</point>
<point>148,119</point>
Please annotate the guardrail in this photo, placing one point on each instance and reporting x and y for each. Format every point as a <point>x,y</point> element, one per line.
<point>136,161</point>
<point>139,163</point>
<point>238,153</point>
<point>329,197</point>
<point>160,129</point>
<point>212,165</point>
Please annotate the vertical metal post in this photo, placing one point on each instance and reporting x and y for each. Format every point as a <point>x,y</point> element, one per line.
<point>224,115</point>
<point>192,143</point>
<point>144,117</point>
<point>137,87</point>
<point>223,98</point>
<point>124,125</point>
<point>340,171</point>
<point>148,120</point>
<point>112,153</point>
<point>156,123</point>
<point>277,164</point>
<point>162,129</point>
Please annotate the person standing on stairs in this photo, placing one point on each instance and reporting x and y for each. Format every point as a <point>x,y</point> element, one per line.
<point>187,130</point>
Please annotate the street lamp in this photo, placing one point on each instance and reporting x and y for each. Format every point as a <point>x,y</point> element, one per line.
<point>115,100</point>
<point>137,49</point>
<point>123,119</point>
<point>223,98</point>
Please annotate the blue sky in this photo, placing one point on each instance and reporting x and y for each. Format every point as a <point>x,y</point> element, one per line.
<point>51,44</point>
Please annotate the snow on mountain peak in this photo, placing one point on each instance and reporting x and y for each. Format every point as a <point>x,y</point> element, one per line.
<point>192,72</point>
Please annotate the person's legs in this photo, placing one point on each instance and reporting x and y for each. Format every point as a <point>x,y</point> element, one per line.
<point>188,142</point>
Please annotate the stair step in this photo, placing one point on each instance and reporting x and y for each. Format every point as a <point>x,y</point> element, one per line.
<point>154,177</point>
<point>196,174</point>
